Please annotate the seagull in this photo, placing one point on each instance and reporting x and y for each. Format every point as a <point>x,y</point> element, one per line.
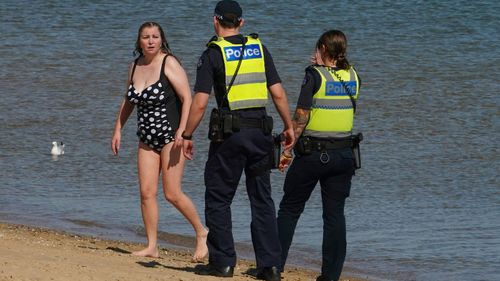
<point>57,148</point>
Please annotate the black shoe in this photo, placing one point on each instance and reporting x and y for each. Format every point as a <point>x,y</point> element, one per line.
<point>324,278</point>
<point>212,270</point>
<point>269,274</point>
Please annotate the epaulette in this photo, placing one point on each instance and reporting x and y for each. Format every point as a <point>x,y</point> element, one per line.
<point>254,35</point>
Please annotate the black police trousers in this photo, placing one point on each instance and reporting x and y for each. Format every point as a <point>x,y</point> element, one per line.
<point>335,180</point>
<point>247,150</point>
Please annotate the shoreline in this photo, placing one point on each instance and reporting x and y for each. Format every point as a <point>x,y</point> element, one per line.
<point>35,253</point>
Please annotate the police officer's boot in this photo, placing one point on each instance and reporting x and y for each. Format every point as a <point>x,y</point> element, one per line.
<point>269,274</point>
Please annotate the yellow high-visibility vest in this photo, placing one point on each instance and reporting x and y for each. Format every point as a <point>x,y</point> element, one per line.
<point>332,113</point>
<point>249,88</point>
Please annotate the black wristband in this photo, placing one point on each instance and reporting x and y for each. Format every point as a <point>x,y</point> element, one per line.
<point>186,137</point>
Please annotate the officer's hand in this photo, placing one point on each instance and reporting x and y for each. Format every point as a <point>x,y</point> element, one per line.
<point>289,139</point>
<point>187,149</point>
<point>286,159</point>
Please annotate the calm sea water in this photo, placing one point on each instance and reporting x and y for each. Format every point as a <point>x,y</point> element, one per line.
<point>425,205</point>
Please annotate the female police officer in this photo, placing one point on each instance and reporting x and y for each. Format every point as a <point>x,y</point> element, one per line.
<point>241,71</point>
<point>324,121</point>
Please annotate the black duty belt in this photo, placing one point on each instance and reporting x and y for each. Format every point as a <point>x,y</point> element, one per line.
<point>331,144</point>
<point>251,122</point>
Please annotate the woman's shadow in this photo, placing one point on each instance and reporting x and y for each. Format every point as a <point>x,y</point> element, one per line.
<point>153,264</point>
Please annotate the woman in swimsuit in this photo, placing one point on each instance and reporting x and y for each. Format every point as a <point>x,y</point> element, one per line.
<point>158,85</point>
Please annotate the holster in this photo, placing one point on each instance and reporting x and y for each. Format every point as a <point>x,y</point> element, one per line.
<point>215,132</point>
<point>356,139</point>
<point>267,126</point>
<point>303,146</point>
<point>275,156</point>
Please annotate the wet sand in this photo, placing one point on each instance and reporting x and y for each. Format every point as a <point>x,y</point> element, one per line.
<point>31,253</point>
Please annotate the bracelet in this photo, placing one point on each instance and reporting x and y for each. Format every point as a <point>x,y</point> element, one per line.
<point>186,137</point>
<point>287,156</point>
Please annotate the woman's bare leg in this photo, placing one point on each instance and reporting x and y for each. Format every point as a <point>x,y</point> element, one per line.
<point>173,162</point>
<point>148,166</point>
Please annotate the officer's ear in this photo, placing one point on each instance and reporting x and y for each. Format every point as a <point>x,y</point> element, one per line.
<point>242,22</point>
<point>216,26</point>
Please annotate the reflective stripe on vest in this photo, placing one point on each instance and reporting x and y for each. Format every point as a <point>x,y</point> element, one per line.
<point>332,114</point>
<point>249,88</point>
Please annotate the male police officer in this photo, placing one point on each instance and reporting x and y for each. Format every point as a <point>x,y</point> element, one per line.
<point>241,71</point>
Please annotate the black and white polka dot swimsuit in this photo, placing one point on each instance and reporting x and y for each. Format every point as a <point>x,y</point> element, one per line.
<point>157,111</point>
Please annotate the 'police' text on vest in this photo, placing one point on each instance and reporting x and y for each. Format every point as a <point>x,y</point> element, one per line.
<point>234,53</point>
<point>339,88</point>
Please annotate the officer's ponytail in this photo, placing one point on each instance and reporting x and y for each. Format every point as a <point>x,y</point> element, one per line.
<point>333,46</point>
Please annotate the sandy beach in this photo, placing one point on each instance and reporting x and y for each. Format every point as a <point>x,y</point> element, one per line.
<point>31,253</point>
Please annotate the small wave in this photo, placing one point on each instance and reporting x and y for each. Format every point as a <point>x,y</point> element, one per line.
<point>86,223</point>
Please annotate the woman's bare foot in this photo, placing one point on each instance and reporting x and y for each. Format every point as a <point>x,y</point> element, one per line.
<point>201,249</point>
<point>148,252</point>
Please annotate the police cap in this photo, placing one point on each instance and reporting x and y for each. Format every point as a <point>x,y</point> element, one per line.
<point>228,11</point>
